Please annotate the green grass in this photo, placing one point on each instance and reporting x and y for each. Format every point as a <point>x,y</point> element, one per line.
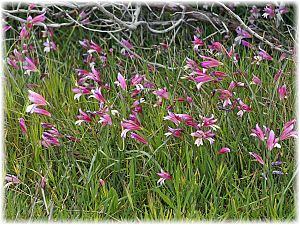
<point>205,185</point>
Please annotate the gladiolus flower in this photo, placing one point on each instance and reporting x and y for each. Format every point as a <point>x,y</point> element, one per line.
<point>38,19</point>
<point>163,176</point>
<point>257,132</point>
<point>269,12</point>
<point>83,117</point>
<point>101,182</point>
<point>272,141</point>
<point>210,63</point>
<point>121,81</point>
<point>224,150</point>
<point>24,33</point>
<point>23,125</point>
<point>34,109</point>
<point>209,122</point>
<point>282,92</point>
<point>129,125</point>
<point>174,132</point>
<point>256,80</point>
<point>200,135</point>
<point>6,28</point>
<point>288,131</point>
<point>162,93</point>
<point>36,98</point>
<point>97,94</point>
<point>12,179</point>
<point>138,137</point>
<point>257,157</point>
<point>277,75</point>
<point>265,55</point>
<point>29,66</point>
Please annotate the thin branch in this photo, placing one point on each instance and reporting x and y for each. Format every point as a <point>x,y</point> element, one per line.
<point>244,26</point>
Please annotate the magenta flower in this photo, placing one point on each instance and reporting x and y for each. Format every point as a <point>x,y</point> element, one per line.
<point>163,176</point>
<point>105,119</point>
<point>242,33</point>
<point>29,66</point>
<point>129,125</point>
<point>242,107</point>
<point>6,28</point>
<point>282,92</point>
<point>272,141</point>
<point>23,125</point>
<point>49,139</point>
<point>265,55</point>
<point>255,12</point>
<point>256,80</point>
<point>34,109</point>
<point>210,63</point>
<point>226,95</point>
<point>200,135</point>
<point>282,9</point>
<point>83,117</point>
<point>121,81</point>
<point>209,122</point>
<point>174,132</point>
<point>202,79</point>
<point>139,138</point>
<point>137,79</point>
<point>126,43</point>
<point>24,33</point>
<point>101,182</point>
<point>98,95</point>
<point>257,132</point>
<point>12,179</point>
<point>38,19</point>
<point>288,131</point>
<point>277,75</point>
<point>80,90</point>
<point>13,63</point>
<point>269,11</point>
<point>257,158</point>
<point>36,98</point>
<point>197,42</point>
<point>173,117</point>
<point>246,44</point>
<point>162,93</point>
<point>94,47</point>
<point>224,150</point>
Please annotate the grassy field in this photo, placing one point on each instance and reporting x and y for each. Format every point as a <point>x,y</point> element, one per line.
<point>205,185</point>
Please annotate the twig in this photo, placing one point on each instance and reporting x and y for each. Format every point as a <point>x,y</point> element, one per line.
<point>244,26</point>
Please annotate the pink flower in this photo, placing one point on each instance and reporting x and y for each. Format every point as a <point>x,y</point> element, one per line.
<point>126,43</point>
<point>163,176</point>
<point>282,9</point>
<point>257,132</point>
<point>6,28</point>
<point>197,42</point>
<point>97,94</point>
<point>246,44</point>
<point>265,55</point>
<point>162,93</point>
<point>34,109</point>
<point>12,179</point>
<point>224,150</point>
<point>129,125</point>
<point>173,117</point>
<point>209,122</point>
<point>210,63</point>
<point>49,139</point>
<point>138,137</point>
<point>200,135</point>
<point>105,119</point>
<point>272,141</point>
<point>36,98</point>
<point>43,182</point>
<point>174,132</point>
<point>29,66</point>
<point>269,11</point>
<point>202,79</point>
<point>101,182</point>
<point>38,19</point>
<point>24,33</point>
<point>282,92</point>
<point>242,107</point>
<point>288,131</point>
<point>242,33</point>
<point>257,157</point>
<point>121,81</point>
<point>83,117</point>
<point>13,63</point>
<point>277,75</point>
<point>256,80</point>
<point>94,48</point>
<point>23,125</point>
